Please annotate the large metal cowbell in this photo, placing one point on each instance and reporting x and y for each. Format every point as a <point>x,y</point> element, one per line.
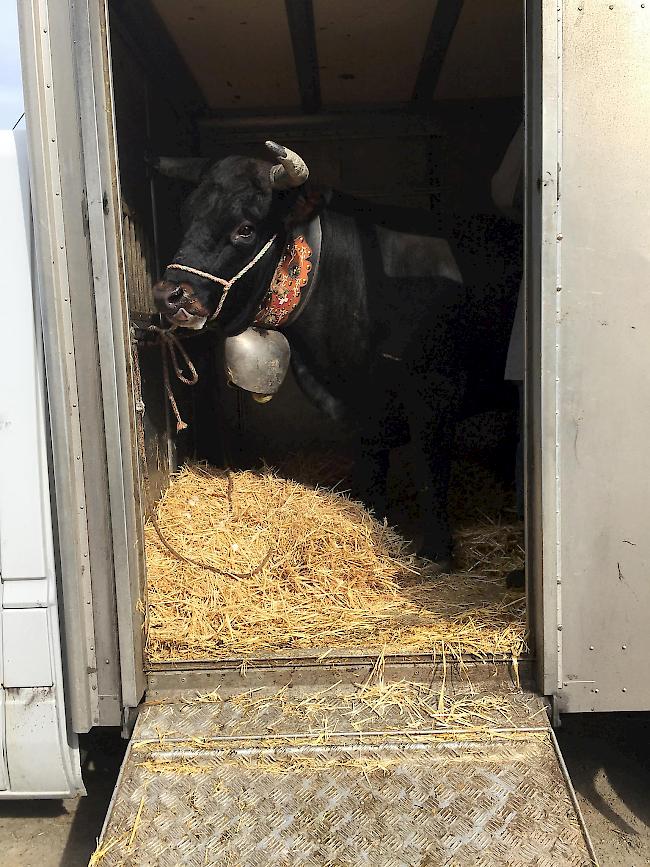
<point>257,360</point>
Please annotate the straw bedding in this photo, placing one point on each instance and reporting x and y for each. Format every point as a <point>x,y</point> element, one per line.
<point>316,571</point>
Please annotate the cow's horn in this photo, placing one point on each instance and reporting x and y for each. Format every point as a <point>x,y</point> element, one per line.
<point>183,168</point>
<point>292,171</point>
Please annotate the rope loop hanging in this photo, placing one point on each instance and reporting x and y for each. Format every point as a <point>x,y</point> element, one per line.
<point>171,344</point>
<point>172,347</point>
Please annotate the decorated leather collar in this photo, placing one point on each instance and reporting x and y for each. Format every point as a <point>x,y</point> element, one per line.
<point>294,278</point>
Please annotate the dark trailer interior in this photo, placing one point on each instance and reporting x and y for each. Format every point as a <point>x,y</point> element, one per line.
<point>408,104</point>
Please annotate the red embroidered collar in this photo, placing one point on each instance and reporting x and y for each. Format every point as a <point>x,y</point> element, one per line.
<point>290,285</point>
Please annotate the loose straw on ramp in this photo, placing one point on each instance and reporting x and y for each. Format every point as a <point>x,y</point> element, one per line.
<point>332,577</point>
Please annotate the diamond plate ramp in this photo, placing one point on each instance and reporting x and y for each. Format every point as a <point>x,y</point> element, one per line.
<point>340,781</point>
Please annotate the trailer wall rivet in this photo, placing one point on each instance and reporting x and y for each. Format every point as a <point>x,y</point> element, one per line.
<point>560,236</point>
<point>624,689</point>
<point>591,647</point>
<point>624,647</point>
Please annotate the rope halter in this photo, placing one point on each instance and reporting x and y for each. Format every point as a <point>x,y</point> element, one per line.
<point>227,284</point>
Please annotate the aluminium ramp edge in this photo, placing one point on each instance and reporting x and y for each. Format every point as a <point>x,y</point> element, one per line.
<point>339,777</point>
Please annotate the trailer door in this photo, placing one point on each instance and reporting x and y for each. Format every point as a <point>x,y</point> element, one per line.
<point>589,370</point>
<point>66,72</point>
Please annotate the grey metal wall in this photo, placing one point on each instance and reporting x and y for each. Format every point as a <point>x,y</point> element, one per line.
<point>594,315</point>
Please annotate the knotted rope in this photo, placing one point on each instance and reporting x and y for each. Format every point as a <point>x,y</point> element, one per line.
<point>171,348</point>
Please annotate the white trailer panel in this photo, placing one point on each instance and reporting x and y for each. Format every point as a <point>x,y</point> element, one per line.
<point>38,754</point>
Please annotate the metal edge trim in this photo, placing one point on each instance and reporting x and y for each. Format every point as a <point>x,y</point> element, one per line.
<point>116,790</point>
<point>104,220</point>
<point>573,798</point>
<point>365,656</point>
<point>357,736</point>
<point>41,53</point>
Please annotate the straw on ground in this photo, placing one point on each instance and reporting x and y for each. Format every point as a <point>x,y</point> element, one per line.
<point>335,576</point>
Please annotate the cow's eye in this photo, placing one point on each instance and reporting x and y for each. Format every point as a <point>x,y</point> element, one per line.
<point>244,231</point>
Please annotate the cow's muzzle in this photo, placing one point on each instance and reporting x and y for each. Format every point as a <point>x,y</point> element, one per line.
<point>179,304</point>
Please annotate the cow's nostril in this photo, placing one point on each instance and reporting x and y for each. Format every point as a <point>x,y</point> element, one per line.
<point>176,295</point>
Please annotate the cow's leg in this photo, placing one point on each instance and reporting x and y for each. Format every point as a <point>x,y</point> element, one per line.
<point>433,421</point>
<point>383,426</point>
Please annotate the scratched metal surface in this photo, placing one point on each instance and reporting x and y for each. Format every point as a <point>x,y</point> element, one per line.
<point>258,781</point>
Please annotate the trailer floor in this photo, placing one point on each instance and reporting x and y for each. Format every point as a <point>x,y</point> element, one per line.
<point>608,757</point>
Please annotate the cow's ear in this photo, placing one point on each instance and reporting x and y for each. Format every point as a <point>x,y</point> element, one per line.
<point>189,169</point>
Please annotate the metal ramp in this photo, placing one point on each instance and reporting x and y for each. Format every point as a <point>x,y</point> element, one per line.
<point>386,771</point>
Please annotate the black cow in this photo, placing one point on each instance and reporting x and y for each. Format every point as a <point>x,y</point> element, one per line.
<point>391,337</point>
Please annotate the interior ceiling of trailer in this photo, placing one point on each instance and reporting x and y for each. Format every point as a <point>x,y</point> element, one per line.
<point>243,55</point>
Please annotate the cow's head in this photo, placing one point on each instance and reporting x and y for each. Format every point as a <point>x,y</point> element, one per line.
<point>237,205</point>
